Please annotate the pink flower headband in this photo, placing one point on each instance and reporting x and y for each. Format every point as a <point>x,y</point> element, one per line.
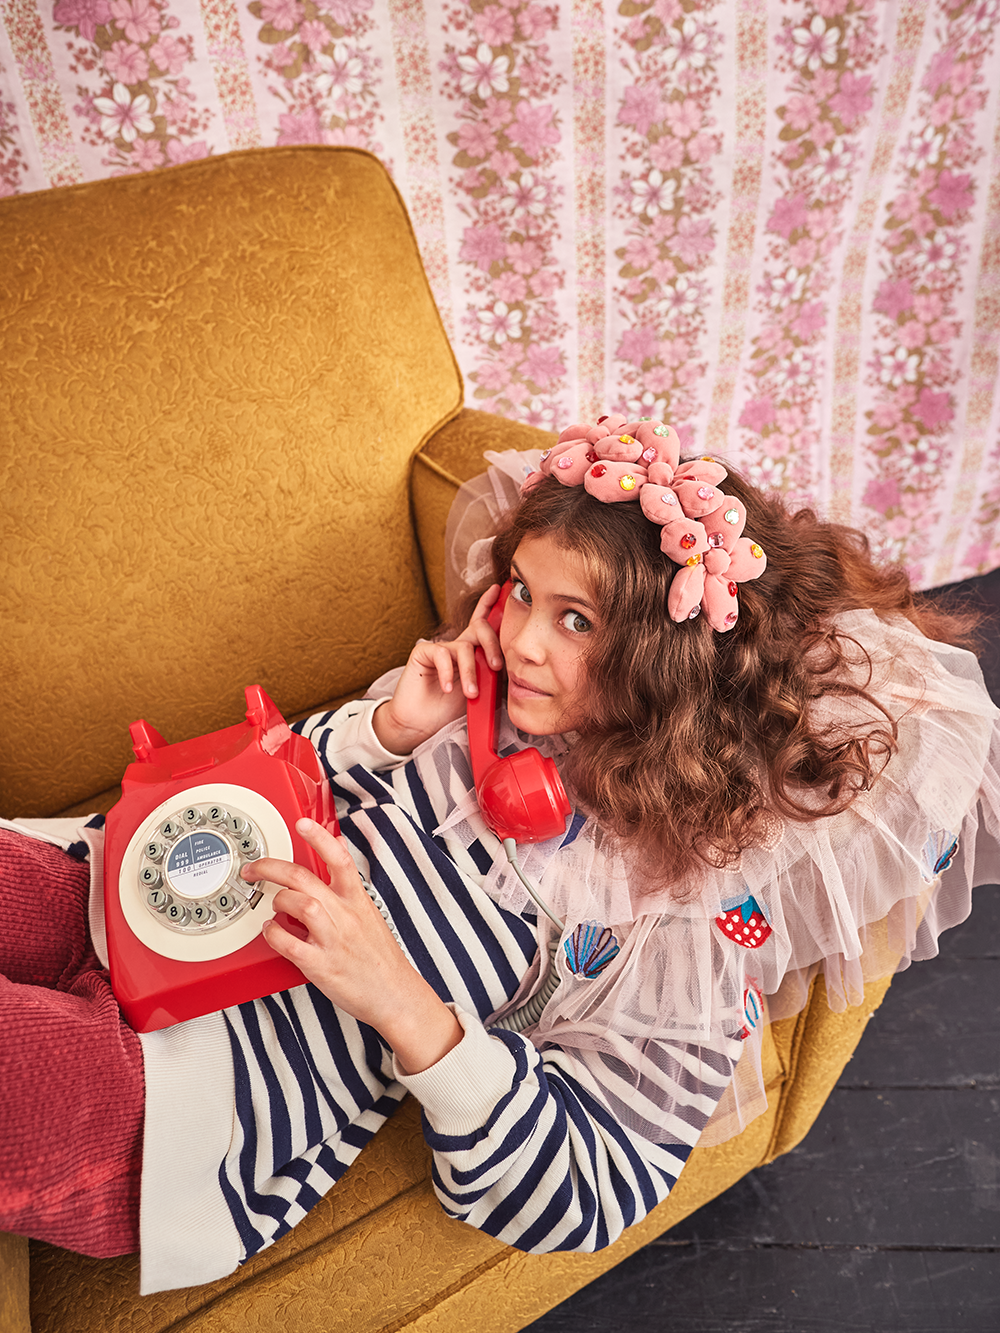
<point>620,459</point>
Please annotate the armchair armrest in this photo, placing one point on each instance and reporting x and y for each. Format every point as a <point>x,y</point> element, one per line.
<point>453,455</point>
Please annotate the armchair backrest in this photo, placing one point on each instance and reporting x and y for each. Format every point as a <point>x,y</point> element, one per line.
<point>213,379</point>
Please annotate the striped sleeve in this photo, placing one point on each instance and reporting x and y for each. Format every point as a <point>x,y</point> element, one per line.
<point>526,1149</point>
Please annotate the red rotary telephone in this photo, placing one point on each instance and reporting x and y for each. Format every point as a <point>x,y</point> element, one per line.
<point>184,929</point>
<point>521,796</point>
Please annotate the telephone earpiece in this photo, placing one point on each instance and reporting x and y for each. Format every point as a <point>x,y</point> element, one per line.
<point>520,796</point>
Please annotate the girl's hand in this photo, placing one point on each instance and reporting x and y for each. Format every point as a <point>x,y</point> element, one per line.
<point>349,952</point>
<point>426,697</point>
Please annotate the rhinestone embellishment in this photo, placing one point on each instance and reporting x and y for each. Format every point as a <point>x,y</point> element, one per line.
<point>659,430</point>
<point>668,498</point>
<point>693,560</point>
<point>757,551</point>
<point>732,515</point>
<point>715,540</point>
<point>688,540</point>
<point>598,470</point>
<point>705,492</point>
<point>564,462</point>
<point>627,483</point>
<point>648,454</point>
<point>732,618</point>
<point>732,588</point>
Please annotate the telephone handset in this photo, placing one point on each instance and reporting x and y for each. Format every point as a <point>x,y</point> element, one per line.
<point>184,928</point>
<point>521,796</point>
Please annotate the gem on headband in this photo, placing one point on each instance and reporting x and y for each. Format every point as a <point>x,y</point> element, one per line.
<point>756,551</point>
<point>668,498</point>
<point>731,618</point>
<point>598,470</point>
<point>660,430</point>
<point>648,455</point>
<point>692,560</point>
<point>688,540</point>
<point>627,483</point>
<point>732,588</point>
<point>732,515</point>
<point>591,456</point>
<point>626,439</point>
<point>564,462</point>
<point>545,454</point>
<point>705,492</point>
<point>694,613</point>
<point>716,539</point>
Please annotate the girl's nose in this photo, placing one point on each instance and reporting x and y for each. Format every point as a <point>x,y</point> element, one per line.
<point>528,642</point>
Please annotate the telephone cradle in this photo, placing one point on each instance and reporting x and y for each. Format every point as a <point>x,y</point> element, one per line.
<point>184,929</point>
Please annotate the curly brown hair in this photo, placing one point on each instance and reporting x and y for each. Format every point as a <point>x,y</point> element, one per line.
<point>703,737</point>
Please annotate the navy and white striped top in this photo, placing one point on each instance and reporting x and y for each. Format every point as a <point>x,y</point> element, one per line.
<point>527,1143</point>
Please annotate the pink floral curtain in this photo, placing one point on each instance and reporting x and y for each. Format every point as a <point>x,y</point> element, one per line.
<point>774,222</point>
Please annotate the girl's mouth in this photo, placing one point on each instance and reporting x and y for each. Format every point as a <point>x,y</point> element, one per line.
<point>520,689</point>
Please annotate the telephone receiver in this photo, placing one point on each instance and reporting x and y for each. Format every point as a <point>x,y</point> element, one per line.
<point>184,928</point>
<point>521,796</point>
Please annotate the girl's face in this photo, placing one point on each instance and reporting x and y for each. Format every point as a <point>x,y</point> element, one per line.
<point>547,621</point>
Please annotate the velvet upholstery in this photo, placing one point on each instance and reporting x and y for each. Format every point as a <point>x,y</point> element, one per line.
<point>216,381</point>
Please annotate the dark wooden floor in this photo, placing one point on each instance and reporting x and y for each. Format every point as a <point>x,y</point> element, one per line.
<point>886,1219</point>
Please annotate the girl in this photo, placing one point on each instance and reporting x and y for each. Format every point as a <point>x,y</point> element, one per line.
<point>779,766</point>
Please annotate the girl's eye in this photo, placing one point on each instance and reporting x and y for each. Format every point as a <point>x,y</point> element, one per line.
<point>520,593</point>
<point>573,620</point>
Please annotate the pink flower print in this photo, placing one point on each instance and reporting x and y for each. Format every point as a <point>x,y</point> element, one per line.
<point>882,494</point>
<point>683,117</point>
<point>928,306</point>
<point>499,322</point>
<point>894,297</point>
<point>662,228</point>
<point>494,26</point>
<point>647,405</point>
<point>667,153</point>
<point>667,11</point>
<point>912,334</point>
<point>811,319</point>
<point>788,215</point>
<point>638,344</point>
<point>282,15</point>
<point>898,527</point>
<point>815,45</point>
<point>483,245</point>
<point>801,111</point>
<point>147,154</point>
<point>126,62</point>
<point>803,253</point>
<point>853,99</point>
<point>179,152</point>
<point>484,73</point>
<point>653,194</point>
<point>786,288</point>
<point>84,15</point>
<point>544,365</point>
<point>924,149</point>
<point>314,34</point>
<point>281,55</point>
<point>299,127</point>
<point>796,372</point>
<point>497,113</point>
<point>953,194</point>
<point>343,12</point>
<point>510,287</point>
<point>683,298</point>
<point>534,21</point>
<point>526,198</point>
<point>503,163</point>
<point>937,252</point>
<point>641,251</point>
<point>351,136</point>
<point>687,47</point>
<point>138,19</point>
<point>942,111</point>
<point>545,283</point>
<point>533,128</point>
<point>933,409</point>
<point>898,366</point>
<point>169,54</point>
<point>758,413</point>
<point>123,117</point>
<point>476,139</point>
<point>494,376</point>
<point>524,256</point>
<point>340,75</point>
<point>538,413</point>
<point>833,165</point>
<point>701,148</point>
<point>694,239</point>
<point>982,17</point>
<point>939,70</point>
<point>831,8</point>
<point>642,107</point>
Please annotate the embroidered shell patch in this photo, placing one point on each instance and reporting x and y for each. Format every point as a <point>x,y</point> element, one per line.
<point>752,1012</point>
<point>590,948</point>
<point>937,855</point>
<point>745,921</point>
